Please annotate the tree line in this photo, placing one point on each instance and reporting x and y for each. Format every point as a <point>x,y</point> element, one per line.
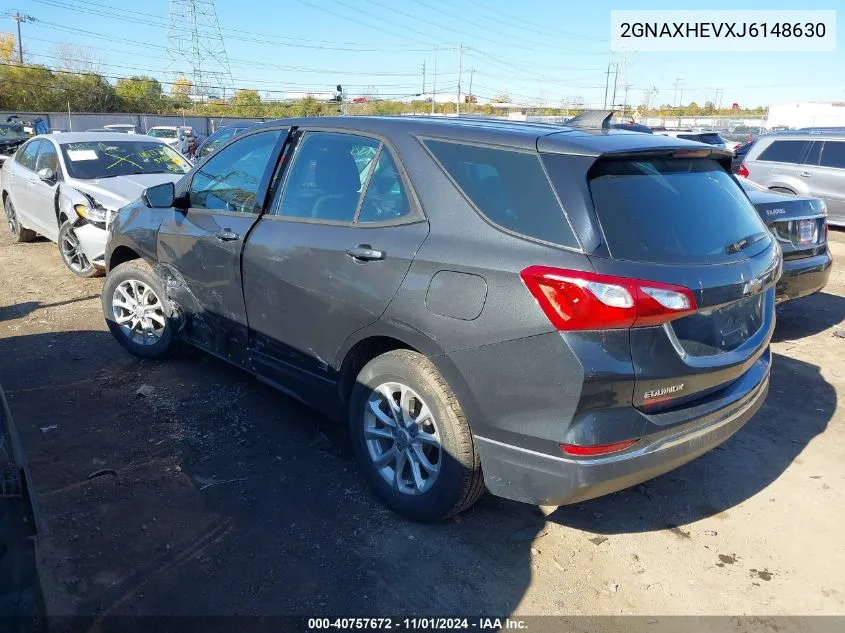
<point>76,84</point>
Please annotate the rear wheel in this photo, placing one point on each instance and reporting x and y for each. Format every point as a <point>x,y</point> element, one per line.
<point>72,254</point>
<point>412,439</point>
<point>19,233</point>
<point>137,311</point>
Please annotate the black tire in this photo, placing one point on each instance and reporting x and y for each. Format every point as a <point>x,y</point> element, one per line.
<point>19,233</point>
<point>75,262</point>
<point>459,482</point>
<point>139,271</point>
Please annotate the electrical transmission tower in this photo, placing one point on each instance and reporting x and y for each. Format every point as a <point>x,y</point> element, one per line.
<point>196,49</point>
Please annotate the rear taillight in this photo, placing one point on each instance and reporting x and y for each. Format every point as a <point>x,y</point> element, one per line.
<point>596,449</point>
<point>578,300</point>
<point>743,171</point>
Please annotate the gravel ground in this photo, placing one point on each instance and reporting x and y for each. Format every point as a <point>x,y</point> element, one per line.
<point>187,487</point>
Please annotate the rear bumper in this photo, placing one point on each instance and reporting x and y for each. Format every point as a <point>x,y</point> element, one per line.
<point>802,277</point>
<point>526,475</point>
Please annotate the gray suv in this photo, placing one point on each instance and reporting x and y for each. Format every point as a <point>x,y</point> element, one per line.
<point>548,312</point>
<point>806,163</point>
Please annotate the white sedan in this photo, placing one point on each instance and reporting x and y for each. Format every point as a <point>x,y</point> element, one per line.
<point>68,187</point>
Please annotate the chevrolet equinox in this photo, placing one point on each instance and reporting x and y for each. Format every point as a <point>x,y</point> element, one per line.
<point>551,313</point>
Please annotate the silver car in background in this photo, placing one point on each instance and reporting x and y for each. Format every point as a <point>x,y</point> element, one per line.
<point>804,163</point>
<point>68,187</point>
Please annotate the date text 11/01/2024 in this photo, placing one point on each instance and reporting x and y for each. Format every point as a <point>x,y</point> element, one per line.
<point>416,624</point>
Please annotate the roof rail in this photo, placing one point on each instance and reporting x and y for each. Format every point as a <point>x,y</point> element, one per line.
<point>591,119</point>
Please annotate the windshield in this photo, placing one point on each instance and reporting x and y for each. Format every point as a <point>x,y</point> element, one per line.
<point>160,133</point>
<point>12,131</point>
<point>105,159</point>
<point>671,211</point>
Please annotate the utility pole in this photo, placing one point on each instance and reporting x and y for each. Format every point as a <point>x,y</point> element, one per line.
<point>471,73</point>
<point>17,17</point>
<point>460,61</point>
<point>625,79</point>
<point>434,87</point>
<point>615,80</point>
<point>682,91</point>
<point>423,90</point>
<point>606,83</point>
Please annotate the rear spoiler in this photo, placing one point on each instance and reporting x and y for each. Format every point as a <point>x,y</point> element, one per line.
<point>592,119</point>
<point>722,156</point>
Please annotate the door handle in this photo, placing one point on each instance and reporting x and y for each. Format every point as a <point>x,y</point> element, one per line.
<point>227,235</point>
<point>805,174</point>
<point>365,253</point>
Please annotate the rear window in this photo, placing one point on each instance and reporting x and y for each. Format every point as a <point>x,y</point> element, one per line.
<point>508,187</point>
<point>783,152</point>
<point>671,210</point>
<point>710,139</point>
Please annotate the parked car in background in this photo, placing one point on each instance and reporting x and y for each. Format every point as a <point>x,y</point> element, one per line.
<point>123,128</point>
<point>21,598</point>
<point>441,284</point>
<point>708,138</point>
<point>800,227</point>
<point>68,187</point>
<point>218,138</point>
<point>12,136</point>
<point>168,134</point>
<point>739,155</point>
<point>804,163</point>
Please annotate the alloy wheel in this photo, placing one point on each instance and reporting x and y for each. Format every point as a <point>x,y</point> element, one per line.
<point>73,255</point>
<point>11,217</point>
<point>139,312</point>
<point>402,438</point>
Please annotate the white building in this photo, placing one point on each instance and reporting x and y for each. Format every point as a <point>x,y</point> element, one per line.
<point>799,114</point>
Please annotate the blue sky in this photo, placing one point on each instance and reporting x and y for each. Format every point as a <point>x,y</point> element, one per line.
<point>550,50</point>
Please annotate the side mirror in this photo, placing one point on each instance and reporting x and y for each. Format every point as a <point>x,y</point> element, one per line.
<point>160,197</point>
<point>47,175</point>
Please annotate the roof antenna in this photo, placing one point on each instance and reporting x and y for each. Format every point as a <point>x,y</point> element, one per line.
<point>592,119</point>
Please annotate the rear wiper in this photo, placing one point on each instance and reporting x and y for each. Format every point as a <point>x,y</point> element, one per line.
<point>745,242</point>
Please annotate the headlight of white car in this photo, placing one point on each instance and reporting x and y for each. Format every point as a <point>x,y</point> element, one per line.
<point>91,213</point>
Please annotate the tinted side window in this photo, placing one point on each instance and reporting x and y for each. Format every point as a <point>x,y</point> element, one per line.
<point>784,151</point>
<point>385,199</point>
<point>833,154</point>
<point>508,187</point>
<point>47,157</point>
<point>216,140</point>
<point>328,172</point>
<point>814,154</point>
<point>229,181</point>
<point>27,155</point>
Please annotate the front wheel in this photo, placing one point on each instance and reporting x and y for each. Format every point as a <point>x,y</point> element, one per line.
<point>137,311</point>
<point>412,439</point>
<point>73,256</point>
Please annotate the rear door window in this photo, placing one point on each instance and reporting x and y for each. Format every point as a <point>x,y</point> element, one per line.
<point>508,187</point>
<point>672,211</point>
<point>833,154</point>
<point>784,151</point>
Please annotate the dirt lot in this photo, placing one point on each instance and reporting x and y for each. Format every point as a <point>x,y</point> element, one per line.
<point>213,494</point>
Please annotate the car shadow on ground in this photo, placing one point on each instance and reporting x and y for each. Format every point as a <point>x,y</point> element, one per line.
<point>809,315</point>
<point>207,492</point>
<point>187,487</point>
<point>20,310</point>
<point>728,475</point>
